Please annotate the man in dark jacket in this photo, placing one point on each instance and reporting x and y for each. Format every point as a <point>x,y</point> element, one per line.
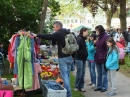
<point>65,60</point>
<point>80,60</point>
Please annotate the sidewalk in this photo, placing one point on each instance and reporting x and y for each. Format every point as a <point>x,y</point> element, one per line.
<point>123,86</point>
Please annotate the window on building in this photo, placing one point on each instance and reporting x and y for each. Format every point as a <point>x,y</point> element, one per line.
<point>68,21</point>
<point>76,21</point>
<point>65,21</point>
<point>72,21</point>
<point>81,21</point>
<point>89,21</point>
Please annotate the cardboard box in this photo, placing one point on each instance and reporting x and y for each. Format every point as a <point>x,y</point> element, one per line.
<point>17,88</point>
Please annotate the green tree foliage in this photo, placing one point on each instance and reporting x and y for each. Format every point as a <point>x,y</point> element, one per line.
<point>55,7</point>
<point>70,8</point>
<point>19,14</point>
<point>109,6</point>
<point>50,17</point>
<point>16,15</point>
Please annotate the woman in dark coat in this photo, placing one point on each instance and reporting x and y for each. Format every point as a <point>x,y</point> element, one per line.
<point>80,60</point>
<point>100,59</point>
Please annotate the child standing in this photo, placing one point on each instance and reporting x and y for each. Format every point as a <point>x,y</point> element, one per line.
<point>112,65</point>
<point>90,59</point>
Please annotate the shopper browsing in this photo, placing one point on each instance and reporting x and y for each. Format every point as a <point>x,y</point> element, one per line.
<point>65,60</point>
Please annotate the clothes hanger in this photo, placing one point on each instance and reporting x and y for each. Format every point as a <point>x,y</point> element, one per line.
<point>23,32</point>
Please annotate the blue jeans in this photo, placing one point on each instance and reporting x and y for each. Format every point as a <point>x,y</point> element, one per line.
<point>73,66</point>
<point>81,68</point>
<point>102,81</point>
<point>91,66</point>
<point>65,66</point>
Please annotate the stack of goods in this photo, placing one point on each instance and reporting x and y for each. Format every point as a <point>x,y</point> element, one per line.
<point>46,54</point>
<point>50,69</point>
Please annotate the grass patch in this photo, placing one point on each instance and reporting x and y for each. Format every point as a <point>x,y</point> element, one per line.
<point>72,82</point>
<point>125,69</point>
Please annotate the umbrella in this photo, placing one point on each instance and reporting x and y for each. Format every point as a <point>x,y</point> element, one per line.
<point>119,45</point>
<point>81,26</point>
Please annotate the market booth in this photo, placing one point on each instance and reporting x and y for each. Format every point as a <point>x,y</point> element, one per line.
<point>35,70</point>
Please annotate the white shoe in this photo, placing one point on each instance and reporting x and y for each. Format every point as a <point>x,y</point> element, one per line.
<point>89,83</point>
<point>83,90</point>
<point>93,86</point>
<point>76,89</point>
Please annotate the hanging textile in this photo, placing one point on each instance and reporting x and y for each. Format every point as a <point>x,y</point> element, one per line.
<point>24,52</point>
<point>36,84</point>
<point>17,42</point>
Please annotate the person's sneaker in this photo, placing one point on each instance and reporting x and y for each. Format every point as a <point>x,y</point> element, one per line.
<point>110,94</point>
<point>93,86</point>
<point>107,93</point>
<point>82,90</point>
<point>89,83</point>
<point>76,89</point>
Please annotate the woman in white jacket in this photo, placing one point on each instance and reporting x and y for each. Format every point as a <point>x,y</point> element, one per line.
<point>118,35</point>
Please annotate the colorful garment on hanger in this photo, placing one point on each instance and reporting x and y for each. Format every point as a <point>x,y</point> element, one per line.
<point>10,56</point>
<point>24,52</point>
<point>37,70</point>
<point>17,42</point>
<point>32,53</point>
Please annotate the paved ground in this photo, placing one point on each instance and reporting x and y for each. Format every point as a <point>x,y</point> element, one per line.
<point>123,86</point>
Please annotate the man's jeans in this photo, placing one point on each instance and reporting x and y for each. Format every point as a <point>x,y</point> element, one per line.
<point>102,81</point>
<point>91,66</point>
<point>65,66</point>
<point>81,68</point>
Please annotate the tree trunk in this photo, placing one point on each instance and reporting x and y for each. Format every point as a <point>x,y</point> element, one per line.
<point>43,16</point>
<point>122,15</point>
<point>109,16</point>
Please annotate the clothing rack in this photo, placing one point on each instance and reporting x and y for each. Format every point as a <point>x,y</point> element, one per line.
<point>24,33</point>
